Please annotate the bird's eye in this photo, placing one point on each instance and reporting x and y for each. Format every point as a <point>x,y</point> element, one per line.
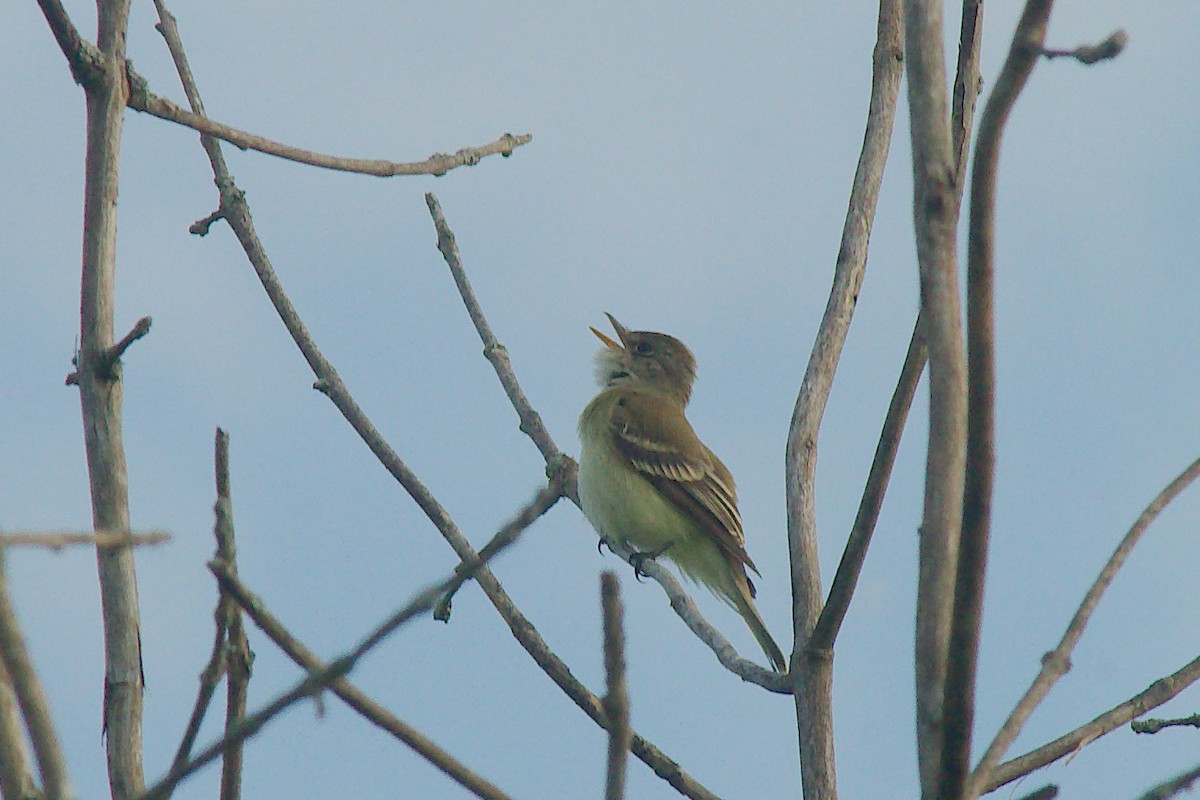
<point>642,349</point>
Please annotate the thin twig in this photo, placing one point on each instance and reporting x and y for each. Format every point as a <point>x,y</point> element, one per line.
<point>1174,786</point>
<point>493,350</point>
<point>935,217</point>
<point>616,697</point>
<point>981,388</point>
<point>811,669</point>
<point>58,540</point>
<point>846,578</point>
<point>1093,53</point>
<point>315,682</point>
<point>16,770</point>
<point>1154,696</point>
<point>1048,792</point>
<point>142,99</point>
<point>354,697</point>
<point>238,656</point>
<point>966,89</point>
<point>32,699</point>
<point>1155,725</point>
<point>1056,663</point>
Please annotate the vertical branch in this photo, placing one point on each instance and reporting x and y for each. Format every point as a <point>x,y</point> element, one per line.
<point>981,378</point>
<point>238,657</point>
<point>812,669</point>
<point>935,215</point>
<point>100,400</point>
<point>616,697</point>
<point>14,657</point>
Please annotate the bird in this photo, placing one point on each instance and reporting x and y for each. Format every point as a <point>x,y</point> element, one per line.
<point>647,481</point>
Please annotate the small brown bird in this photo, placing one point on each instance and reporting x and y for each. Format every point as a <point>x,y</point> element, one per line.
<point>646,479</point>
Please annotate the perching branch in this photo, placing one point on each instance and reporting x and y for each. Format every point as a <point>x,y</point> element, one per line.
<point>959,711</point>
<point>562,468</point>
<point>1056,663</point>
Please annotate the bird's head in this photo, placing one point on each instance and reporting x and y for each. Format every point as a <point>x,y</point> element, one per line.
<point>646,359</point>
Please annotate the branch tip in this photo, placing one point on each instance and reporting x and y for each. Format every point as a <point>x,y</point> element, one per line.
<point>1093,53</point>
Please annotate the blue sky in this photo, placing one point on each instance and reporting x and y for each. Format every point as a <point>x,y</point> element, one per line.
<point>688,173</point>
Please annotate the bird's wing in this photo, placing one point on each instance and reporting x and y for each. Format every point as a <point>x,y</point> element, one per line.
<point>652,432</point>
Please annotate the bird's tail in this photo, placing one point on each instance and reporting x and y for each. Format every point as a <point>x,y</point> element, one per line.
<point>745,606</point>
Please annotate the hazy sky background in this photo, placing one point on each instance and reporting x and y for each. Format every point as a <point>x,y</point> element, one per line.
<point>689,173</point>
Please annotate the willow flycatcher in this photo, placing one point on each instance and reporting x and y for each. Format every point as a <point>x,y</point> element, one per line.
<point>646,479</point>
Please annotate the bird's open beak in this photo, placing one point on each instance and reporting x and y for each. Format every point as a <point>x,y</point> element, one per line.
<point>621,330</point>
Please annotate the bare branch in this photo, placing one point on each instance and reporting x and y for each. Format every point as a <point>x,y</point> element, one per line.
<point>1048,792</point>
<point>959,711</point>
<point>935,214</point>
<point>83,58</point>
<point>239,730</point>
<point>1093,53</point>
<point>1156,695</point>
<point>106,92</point>
<point>32,700</point>
<point>616,698</point>
<point>1056,663</point>
<point>237,654</point>
<point>354,697</point>
<point>16,771</point>
<point>58,540</point>
<point>811,668</point>
<point>966,89</point>
<point>1155,725</point>
<point>1176,785</point>
<point>496,353</point>
<point>142,99</point>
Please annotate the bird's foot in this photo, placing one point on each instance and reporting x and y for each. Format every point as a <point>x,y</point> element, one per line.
<point>638,560</point>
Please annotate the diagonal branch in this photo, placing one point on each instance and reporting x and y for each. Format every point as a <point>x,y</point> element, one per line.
<point>981,380</point>
<point>18,668</point>
<point>1056,663</point>
<point>315,682</point>
<point>846,577</point>
<point>1156,695</point>
<point>493,350</point>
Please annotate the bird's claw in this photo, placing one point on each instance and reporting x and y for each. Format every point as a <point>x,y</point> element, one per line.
<point>638,560</point>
